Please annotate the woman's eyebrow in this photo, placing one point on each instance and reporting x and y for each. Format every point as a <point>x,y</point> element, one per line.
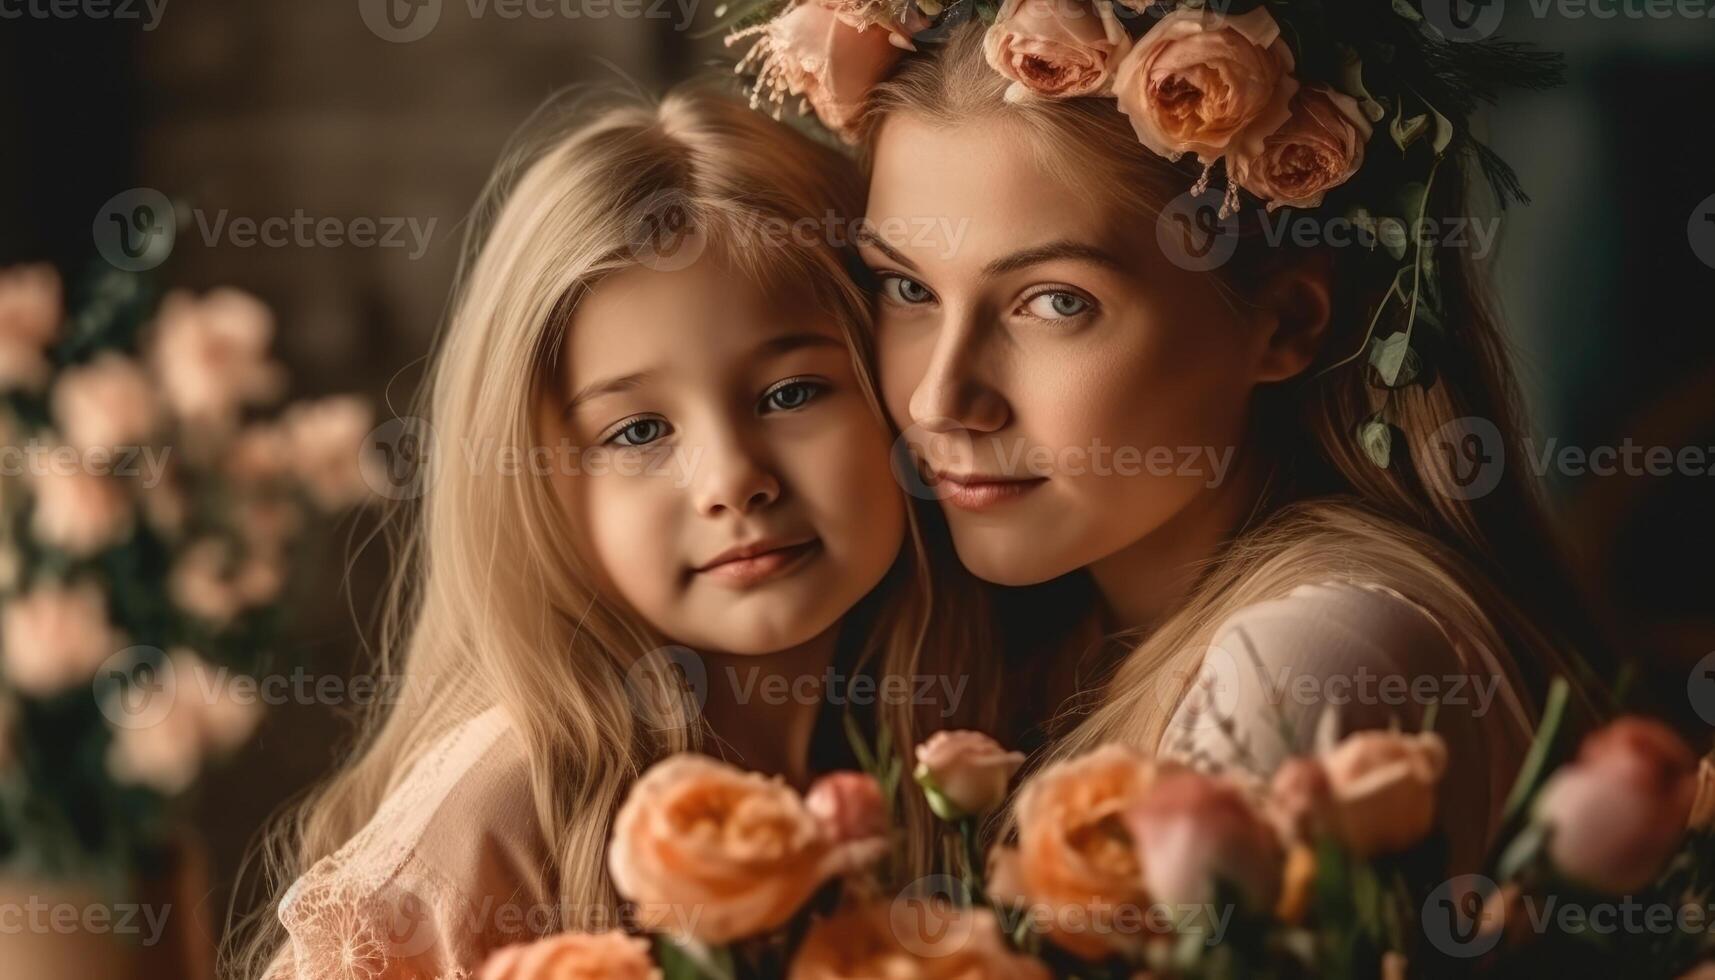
<point>866,236</point>
<point>1052,251</point>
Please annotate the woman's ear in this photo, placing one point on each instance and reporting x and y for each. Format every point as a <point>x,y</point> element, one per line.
<point>1292,309</point>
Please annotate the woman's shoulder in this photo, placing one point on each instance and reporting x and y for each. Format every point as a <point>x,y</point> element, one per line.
<point>451,864</point>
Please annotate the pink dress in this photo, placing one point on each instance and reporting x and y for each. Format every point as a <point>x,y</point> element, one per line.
<point>452,866</point>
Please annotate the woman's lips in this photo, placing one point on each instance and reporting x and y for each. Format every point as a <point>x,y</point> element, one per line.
<point>980,492</point>
<point>751,565</point>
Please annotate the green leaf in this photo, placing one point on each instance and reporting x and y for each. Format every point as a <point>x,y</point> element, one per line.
<point>1553,713</point>
<point>1522,851</point>
<point>1443,131</point>
<point>1406,10</point>
<point>680,962</point>
<point>1376,438</point>
<point>1406,131</point>
<point>1391,232</point>
<point>1389,355</point>
<point>859,744</point>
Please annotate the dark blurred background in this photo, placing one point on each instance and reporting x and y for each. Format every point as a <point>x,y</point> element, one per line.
<point>268,108</point>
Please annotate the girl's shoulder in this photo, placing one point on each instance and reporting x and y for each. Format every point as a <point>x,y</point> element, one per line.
<point>452,864</point>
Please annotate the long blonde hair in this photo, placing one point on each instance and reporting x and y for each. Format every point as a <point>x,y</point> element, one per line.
<point>491,599</point>
<point>1487,567</point>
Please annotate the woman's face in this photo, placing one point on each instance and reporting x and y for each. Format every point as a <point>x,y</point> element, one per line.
<point>1070,390</point>
<point>733,481</point>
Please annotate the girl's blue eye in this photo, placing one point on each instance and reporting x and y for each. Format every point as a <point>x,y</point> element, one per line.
<point>639,432</point>
<point>1057,305</point>
<point>790,395</point>
<point>902,290</point>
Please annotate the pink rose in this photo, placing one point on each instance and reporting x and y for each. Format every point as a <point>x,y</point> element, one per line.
<point>105,404</point>
<point>1192,830</point>
<point>1057,49</point>
<point>826,54</point>
<point>1384,786</point>
<point>573,956</point>
<point>29,318</point>
<point>714,854</point>
<point>1618,811</point>
<point>203,716</point>
<point>967,770</point>
<point>211,355</point>
<point>1318,149</point>
<point>1206,83</point>
<point>326,449</point>
<point>78,511</point>
<point>54,637</point>
<point>849,805</point>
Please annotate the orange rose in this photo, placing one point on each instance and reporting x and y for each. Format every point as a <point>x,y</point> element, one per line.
<point>1057,49</point>
<point>1318,149</point>
<point>869,941</point>
<point>964,773</point>
<point>573,956</point>
<point>831,54</point>
<point>1703,804</point>
<point>1619,811</point>
<point>1193,830</point>
<point>1205,83</point>
<point>1074,849</point>
<point>1384,787</point>
<point>711,853</point>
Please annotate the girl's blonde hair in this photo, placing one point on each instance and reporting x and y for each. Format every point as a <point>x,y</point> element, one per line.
<point>1487,566</point>
<point>492,600</point>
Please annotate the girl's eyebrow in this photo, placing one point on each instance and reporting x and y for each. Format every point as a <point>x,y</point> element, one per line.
<point>608,386</point>
<point>786,343</point>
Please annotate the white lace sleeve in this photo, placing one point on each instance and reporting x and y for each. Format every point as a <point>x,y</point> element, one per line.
<point>450,868</point>
<point>1370,658</point>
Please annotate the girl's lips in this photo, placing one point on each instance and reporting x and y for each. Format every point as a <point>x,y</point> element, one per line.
<point>754,568</point>
<point>978,493</point>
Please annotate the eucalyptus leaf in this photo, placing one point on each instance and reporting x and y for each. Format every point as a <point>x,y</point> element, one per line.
<point>1406,10</point>
<point>1376,438</point>
<point>1388,355</point>
<point>1392,234</point>
<point>1443,131</point>
<point>1553,712</point>
<point>1522,851</point>
<point>1407,131</point>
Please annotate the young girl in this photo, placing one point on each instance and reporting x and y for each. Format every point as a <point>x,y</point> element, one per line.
<point>1265,574</point>
<point>660,323</point>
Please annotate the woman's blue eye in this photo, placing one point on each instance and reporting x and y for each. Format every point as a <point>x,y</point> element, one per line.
<point>902,290</point>
<point>1057,305</point>
<point>791,395</point>
<point>639,433</point>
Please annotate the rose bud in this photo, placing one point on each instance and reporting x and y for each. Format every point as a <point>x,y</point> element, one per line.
<point>1618,812</point>
<point>1192,830</point>
<point>963,773</point>
<point>849,806</point>
<point>1384,789</point>
<point>1703,806</point>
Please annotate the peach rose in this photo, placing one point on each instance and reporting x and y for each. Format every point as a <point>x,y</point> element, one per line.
<point>261,453</point>
<point>107,403</point>
<point>573,956</point>
<point>866,942</point>
<point>78,511</point>
<point>827,55</point>
<point>712,853</point>
<point>211,355</point>
<point>964,773</point>
<point>1703,805</point>
<point>1618,811</point>
<point>1056,49</point>
<point>54,637</point>
<point>199,582</point>
<point>1318,149</point>
<point>1192,830</point>
<point>204,716</point>
<point>30,316</point>
<point>325,442</point>
<point>1074,848</point>
<point>1206,83</point>
<point>849,805</point>
<point>1301,799</point>
<point>1384,786</point>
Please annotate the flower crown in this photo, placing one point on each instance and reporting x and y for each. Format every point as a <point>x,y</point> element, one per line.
<point>1288,97</point>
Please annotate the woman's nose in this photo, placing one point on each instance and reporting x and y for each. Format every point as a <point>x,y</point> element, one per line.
<point>955,391</point>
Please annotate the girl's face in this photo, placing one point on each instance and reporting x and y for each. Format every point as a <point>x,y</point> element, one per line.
<point>732,479</point>
<point>1071,389</point>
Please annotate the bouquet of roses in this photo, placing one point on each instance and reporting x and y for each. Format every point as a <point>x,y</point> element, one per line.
<point>148,516</point>
<point>1123,866</point>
